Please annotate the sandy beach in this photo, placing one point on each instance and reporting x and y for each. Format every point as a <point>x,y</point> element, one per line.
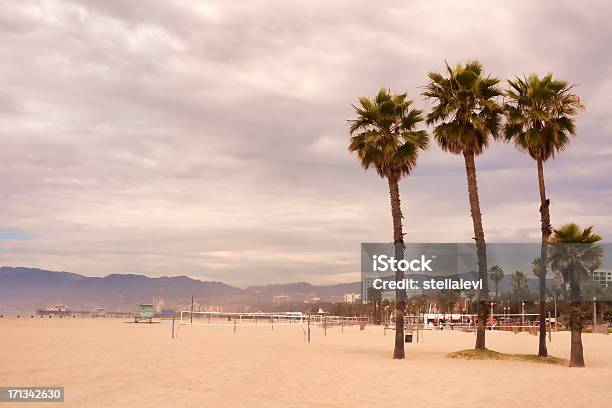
<point>110,363</point>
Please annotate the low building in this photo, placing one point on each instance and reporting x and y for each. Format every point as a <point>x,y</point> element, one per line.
<point>277,300</point>
<point>602,277</point>
<point>352,297</point>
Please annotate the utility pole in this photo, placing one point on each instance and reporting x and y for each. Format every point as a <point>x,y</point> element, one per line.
<point>191,310</point>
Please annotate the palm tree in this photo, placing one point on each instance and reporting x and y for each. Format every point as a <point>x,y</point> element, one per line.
<point>466,115</point>
<point>535,267</point>
<point>448,298</point>
<point>375,297</point>
<point>539,114</point>
<point>575,255</point>
<point>496,272</point>
<point>520,288</point>
<point>385,137</point>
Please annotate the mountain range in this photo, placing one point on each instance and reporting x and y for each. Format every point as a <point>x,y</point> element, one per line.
<point>23,290</point>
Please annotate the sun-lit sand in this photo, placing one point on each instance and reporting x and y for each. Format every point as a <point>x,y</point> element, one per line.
<point>109,363</point>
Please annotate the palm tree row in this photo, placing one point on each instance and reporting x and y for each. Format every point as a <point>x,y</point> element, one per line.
<point>465,116</point>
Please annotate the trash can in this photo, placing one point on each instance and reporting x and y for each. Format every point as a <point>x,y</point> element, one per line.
<point>408,338</point>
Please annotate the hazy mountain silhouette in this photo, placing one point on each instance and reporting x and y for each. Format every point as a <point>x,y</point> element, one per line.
<point>23,290</point>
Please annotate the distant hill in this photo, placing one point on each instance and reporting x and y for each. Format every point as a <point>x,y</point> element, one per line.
<point>23,290</point>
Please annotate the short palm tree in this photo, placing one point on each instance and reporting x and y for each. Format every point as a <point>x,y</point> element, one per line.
<point>539,120</point>
<point>496,272</point>
<point>575,254</point>
<point>384,135</point>
<point>466,115</point>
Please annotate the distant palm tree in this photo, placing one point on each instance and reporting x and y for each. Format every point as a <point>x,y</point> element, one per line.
<point>375,298</point>
<point>466,115</point>
<point>539,114</point>
<point>448,298</point>
<point>535,267</point>
<point>496,272</point>
<point>575,255</point>
<point>384,135</point>
<point>520,288</point>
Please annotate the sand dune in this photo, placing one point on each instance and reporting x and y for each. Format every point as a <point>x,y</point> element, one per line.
<point>108,363</point>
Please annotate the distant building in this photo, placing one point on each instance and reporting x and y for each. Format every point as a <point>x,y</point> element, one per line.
<point>352,297</point>
<point>277,300</point>
<point>366,282</point>
<point>56,308</point>
<point>313,300</point>
<point>212,308</point>
<point>604,278</point>
<point>159,304</point>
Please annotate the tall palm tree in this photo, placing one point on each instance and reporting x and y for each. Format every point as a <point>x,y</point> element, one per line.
<point>575,255</point>
<point>496,272</point>
<point>539,120</point>
<point>384,135</point>
<point>466,115</point>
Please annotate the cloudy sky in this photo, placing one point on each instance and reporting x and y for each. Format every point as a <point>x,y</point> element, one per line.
<point>208,138</point>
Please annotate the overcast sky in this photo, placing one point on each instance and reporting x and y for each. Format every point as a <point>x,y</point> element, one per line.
<point>208,138</point>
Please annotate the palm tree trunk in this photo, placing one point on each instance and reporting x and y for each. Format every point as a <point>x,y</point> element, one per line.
<point>398,243</point>
<point>544,203</point>
<point>576,318</point>
<point>546,232</point>
<point>576,351</point>
<point>481,248</point>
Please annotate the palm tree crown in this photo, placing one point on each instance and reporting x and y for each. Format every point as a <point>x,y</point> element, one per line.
<point>575,254</point>
<point>540,115</point>
<point>466,110</point>
<point>384,134</point>
<point>572,234</point>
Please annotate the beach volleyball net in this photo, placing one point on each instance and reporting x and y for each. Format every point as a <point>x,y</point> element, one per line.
<point>267,319</point>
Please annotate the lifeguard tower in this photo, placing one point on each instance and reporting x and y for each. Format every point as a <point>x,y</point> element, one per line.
<point>145,313</point>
